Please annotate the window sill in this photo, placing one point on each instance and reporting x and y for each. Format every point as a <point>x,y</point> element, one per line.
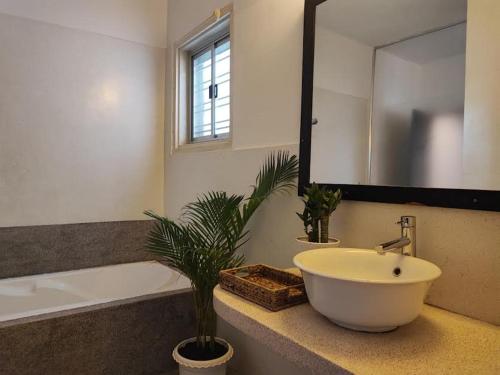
<point>204,146</point>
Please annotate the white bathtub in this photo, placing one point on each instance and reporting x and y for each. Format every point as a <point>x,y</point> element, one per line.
<point>26,296</point>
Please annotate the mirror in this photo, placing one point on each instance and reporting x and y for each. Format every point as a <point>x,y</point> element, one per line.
<point>389,105</point>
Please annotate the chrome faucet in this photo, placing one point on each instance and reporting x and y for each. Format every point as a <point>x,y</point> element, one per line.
<point>407,243</point>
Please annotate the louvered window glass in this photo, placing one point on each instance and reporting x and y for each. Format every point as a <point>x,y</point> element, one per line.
<point>210,99</point>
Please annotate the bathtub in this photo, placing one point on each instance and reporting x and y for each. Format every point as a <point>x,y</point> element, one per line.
<point>29,296</point>
<point>123,319</point>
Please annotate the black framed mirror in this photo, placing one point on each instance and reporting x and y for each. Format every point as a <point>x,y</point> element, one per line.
<point>386,116</point>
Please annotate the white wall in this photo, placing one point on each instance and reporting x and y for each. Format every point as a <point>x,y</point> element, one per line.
<point>266,64</point>
<point>482,93</point>
<point>81,114</point>
<point>339,140</point>
<point>342,90</point>
<point>141,21</point>
<point>443,84</point>
<point>348,72</point>
<point>465,244</point>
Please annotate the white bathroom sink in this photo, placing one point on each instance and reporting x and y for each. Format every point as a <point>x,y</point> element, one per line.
<point>363,290</point>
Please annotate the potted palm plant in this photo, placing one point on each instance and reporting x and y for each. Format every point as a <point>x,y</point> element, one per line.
<point>319,204</point>
<point>203,243</point>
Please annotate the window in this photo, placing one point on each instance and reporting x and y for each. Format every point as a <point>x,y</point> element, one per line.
<point>202,101</point>
<point>210,89</point>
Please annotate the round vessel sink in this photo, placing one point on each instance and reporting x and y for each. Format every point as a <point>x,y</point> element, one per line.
<point>363,290</point>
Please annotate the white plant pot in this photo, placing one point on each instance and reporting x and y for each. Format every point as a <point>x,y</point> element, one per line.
<point>306,245</point>
<point>215,366</point>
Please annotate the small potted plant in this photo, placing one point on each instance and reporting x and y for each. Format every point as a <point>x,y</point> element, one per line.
<point>319,204</point>
<point>204,243</point>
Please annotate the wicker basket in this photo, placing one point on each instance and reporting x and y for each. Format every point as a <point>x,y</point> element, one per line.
<point>269,287</point>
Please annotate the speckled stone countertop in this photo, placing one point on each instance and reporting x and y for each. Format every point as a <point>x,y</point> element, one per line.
<point>437,342</point>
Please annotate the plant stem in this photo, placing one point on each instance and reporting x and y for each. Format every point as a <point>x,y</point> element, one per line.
<point>324,228</point>
<point>315,230</point>
<point>199,313</point>
<point>206,319</point>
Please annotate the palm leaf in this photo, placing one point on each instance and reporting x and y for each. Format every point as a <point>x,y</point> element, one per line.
<point>276,175</point>
<point>215,217</point>
<point>211,229</point>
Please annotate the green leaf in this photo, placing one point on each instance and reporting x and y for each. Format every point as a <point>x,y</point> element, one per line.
<point>211,229</point>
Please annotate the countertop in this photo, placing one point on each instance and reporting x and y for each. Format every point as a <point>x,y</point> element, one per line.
<point>437,342</point>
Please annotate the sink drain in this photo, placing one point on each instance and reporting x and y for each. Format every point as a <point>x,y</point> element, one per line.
<point>396,271</point>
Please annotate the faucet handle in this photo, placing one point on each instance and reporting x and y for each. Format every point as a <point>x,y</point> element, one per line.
<point>408,221</point>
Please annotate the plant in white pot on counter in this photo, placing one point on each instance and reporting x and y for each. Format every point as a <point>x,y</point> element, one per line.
<point>319,205</point>
<point>204,243</point>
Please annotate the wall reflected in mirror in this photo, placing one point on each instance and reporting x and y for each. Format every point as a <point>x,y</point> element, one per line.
<point>389,91</point>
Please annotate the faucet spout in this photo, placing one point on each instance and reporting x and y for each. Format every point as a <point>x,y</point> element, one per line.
<point>399,243</point>
<point>407,243</point>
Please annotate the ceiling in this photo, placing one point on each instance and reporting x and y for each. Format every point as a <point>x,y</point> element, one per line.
<point>432,46</point>
<point>380,22</point>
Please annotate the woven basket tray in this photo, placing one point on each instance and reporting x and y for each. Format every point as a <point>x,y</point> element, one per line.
<point>269,287</point>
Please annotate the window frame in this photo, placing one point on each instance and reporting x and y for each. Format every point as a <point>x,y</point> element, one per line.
<point>218,23</point>
<point>211,46</point>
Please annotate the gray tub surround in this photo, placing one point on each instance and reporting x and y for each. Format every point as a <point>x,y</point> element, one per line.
<point>437,342</point>
<point>39,249</point>
<point>134,336</point>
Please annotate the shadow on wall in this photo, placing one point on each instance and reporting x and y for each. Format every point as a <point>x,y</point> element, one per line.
<point>394,160</point>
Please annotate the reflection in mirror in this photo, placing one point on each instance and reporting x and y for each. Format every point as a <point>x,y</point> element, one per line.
<point>388,97</point>
<point>418,107</point>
